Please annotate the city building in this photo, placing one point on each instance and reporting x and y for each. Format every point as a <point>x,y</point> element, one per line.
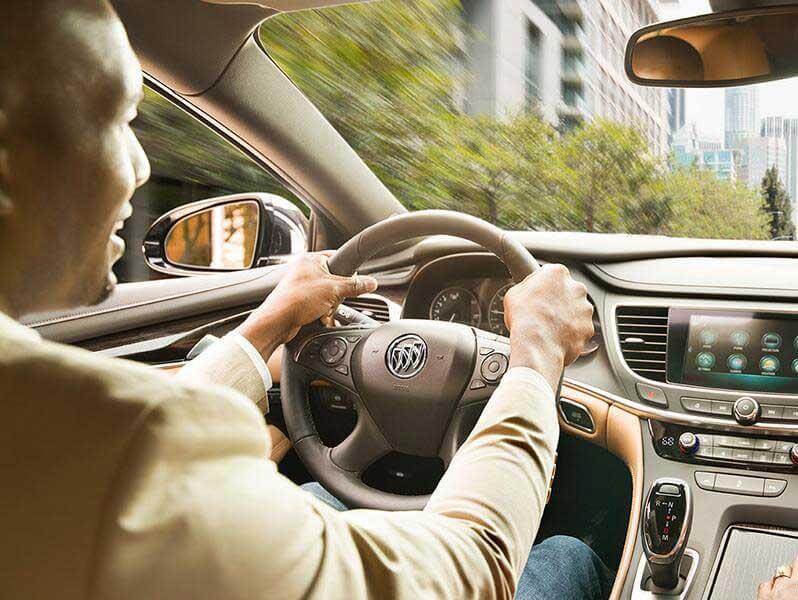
<point>758,154</point>
<point>741,104</point>
<point>787,129</point>
<point>564,57</point>
<point>676,111</point>
<point>689,148</point>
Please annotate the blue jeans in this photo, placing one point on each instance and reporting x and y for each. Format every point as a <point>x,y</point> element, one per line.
<point>560,567</point>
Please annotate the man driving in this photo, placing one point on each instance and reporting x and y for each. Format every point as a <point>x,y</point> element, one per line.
<point>124,483</point>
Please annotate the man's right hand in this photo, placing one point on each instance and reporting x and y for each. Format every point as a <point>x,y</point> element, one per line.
<point>550,321</point>
<point>780,588</point>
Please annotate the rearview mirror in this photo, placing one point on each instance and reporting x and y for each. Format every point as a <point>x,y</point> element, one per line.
<point>716,50</point>
<point>228,233</point>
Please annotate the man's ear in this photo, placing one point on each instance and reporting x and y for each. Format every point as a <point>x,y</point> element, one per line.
<point>6,206</point>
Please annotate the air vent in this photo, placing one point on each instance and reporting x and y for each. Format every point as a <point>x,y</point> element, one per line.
<point>643,335</point>
<point>372,306</point>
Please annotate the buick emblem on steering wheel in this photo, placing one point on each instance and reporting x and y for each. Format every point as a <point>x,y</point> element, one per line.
<point>406,356</point>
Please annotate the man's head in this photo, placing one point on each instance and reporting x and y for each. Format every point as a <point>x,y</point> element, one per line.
<point>69,161</point>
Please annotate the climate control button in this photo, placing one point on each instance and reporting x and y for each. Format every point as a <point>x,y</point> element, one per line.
<point>746,410</point>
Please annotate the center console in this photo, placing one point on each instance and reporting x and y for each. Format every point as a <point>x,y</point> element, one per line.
<point>716,390</point>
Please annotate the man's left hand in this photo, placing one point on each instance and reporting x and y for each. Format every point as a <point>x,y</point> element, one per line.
<point>307,292</point>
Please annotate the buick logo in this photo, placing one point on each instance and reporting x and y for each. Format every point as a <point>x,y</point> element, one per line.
<point>406,356</point>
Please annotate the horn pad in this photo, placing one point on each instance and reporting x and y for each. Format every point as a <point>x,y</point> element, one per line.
<point>410,374</point>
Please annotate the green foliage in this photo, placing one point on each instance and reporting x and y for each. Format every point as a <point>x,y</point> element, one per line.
<point>388,76</point>
<point>777,206</point>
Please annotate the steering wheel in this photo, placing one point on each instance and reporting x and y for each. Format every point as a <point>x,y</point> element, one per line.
<point>418,386</point>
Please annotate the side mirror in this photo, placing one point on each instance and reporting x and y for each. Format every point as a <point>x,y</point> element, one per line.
<point>228,233</point>
<point>722,49</point>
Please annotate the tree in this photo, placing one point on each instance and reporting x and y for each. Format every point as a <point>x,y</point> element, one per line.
<point>777,206</point>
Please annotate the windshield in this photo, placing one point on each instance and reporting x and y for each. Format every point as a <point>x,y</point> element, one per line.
<point>520,113</point>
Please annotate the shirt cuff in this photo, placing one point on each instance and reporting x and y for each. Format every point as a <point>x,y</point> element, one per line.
<point>530,377</point>
<point>254,356</point>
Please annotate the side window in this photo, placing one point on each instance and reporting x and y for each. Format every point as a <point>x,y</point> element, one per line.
<point>189,162</point>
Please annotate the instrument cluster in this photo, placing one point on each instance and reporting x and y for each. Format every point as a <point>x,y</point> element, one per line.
<point>476,302</point>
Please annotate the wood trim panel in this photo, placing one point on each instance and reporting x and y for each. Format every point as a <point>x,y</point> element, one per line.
<point>617,430</point>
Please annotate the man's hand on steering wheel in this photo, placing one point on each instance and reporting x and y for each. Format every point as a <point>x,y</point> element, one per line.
<point>550,321</point>
<point>307,292</point>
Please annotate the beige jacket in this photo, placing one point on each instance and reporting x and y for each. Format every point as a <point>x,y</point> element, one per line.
<point>120,482</point>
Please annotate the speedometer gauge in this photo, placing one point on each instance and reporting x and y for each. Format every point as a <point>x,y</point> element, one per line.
<point>457,305</point>
<point>496,311</point>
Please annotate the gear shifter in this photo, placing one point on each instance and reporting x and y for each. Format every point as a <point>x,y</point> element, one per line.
<point>667,517</point>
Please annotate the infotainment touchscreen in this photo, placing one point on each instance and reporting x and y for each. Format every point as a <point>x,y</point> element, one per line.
<point>733,350</point>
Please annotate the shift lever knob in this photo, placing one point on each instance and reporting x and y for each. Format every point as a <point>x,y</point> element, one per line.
<point>667,517</point>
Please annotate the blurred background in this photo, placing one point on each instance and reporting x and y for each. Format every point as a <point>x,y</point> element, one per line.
<point>516,111</point>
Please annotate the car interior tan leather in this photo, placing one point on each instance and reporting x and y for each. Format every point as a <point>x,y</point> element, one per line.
<point>618,431</point>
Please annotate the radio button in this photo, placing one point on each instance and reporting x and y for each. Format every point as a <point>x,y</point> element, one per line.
<point>651,394</point>
<point>705,480</point>
<point>721,408</point>
<point>781,458</point>
<point>782,446</point>
<point>749,486</point>
<point>705,439</point>
<point>746,410</point>
<point>766,445</point>
<point>728,441</point>
<point>774,487</point>
<point>738,454</point>
<point>726,453</point>
<point>704,452</point>
<point>790,413</point>
<point>763,457</point>
<point>771,411</point>
<point>697,405</point>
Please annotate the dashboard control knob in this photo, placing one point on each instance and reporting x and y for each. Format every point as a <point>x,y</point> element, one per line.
<point>746,410</point>
<point>794,454</point>
<point>688,443</point>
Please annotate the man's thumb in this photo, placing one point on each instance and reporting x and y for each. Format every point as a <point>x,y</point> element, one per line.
<point>360,284</point>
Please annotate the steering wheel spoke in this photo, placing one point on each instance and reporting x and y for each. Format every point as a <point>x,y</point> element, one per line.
<point>362,447</point>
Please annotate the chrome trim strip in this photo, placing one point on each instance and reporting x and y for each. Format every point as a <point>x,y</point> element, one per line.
<point>650,412</point>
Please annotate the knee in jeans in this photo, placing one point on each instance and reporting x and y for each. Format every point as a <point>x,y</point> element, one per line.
<point>570,548</point>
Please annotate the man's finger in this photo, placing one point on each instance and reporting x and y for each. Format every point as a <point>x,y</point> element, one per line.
<point>356,285</point>
<point>795,567</point>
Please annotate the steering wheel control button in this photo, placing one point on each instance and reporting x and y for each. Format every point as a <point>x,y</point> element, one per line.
<point>333,351</point>
<point>774,487</point>
<point>485,351</point>
<point>688,443</point>
<point>493,367</point>
<point>698,405</point>
<point>771,341</point>
<point>577,415</point>
<point>705,480</point>
<point>652,395</point>
<point>342,369</point>
<point>746,410</point>
<point>477,384</point>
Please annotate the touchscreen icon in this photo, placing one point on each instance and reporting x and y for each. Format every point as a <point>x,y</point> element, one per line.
<point>771,340</point>
<point>740,339</point>
<point>708,337</point>
<point>795,366</point>
<point>737,362</point>
<point>769,364</point>
<point>705,360</point>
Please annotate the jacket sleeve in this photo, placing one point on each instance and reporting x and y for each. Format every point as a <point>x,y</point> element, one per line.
<point>199,514</point>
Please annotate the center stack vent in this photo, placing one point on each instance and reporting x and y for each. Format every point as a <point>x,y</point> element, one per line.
<point>643,336</point>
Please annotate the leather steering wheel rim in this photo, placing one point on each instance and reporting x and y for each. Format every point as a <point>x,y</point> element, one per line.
<point>303,362</point>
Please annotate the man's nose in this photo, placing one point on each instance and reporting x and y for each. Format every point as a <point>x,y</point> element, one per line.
<point>141,164</point>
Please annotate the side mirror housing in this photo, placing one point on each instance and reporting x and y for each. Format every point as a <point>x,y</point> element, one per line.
<point>228,233</point>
